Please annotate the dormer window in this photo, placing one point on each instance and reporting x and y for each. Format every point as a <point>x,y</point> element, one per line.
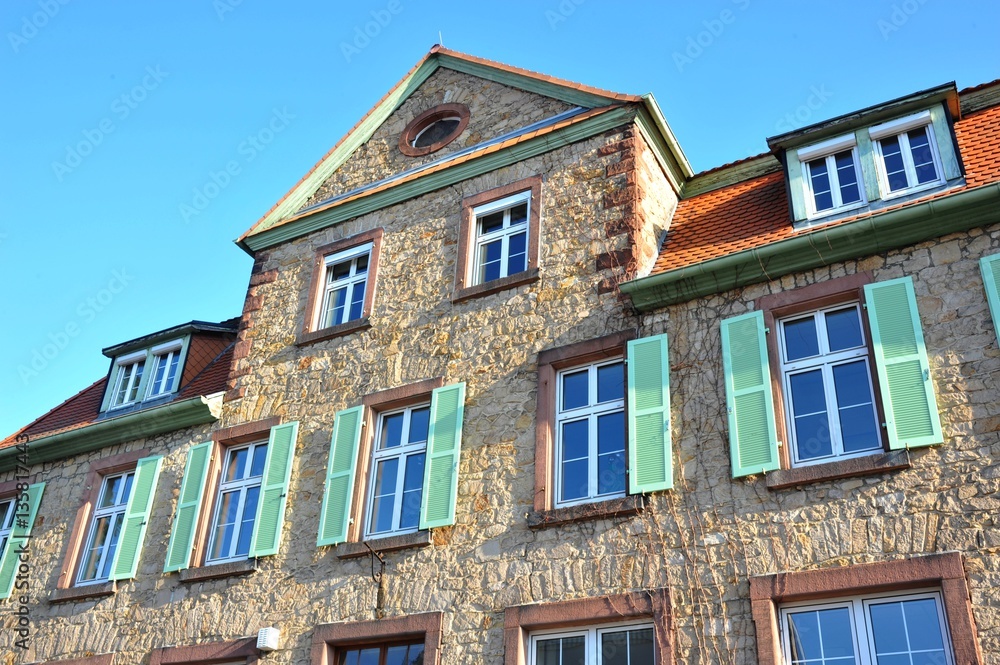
<point>907,154</point>
<point>832,176</point>
<point>128,377</point>
<point>166,359</point>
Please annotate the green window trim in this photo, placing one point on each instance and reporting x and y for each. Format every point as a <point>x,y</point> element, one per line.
<point>189,502</point>
<point>270,518</point>
<point>650,457</point>
<point>19,536</point>
<point>341,469</point>
<point>140,503</point>
<point>444,449</point>
<point>990,268</point>
<point>907,389</point>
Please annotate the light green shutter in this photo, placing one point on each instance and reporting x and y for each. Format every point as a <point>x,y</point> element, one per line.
<point>901,359</point>
<point>147,471</point>
<point>188,507</point>
<point>24,518</point>
<point>753,441</point>
<point>340,469</point>
<point>990,266</point>
<point>650,460</point>
<point>274,490</point>
<point>444,446</point>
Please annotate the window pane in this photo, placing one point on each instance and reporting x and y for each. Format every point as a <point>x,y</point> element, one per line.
<point>247,522</point>
<point>847,176</point>
<point>820,181</point>
<point>824,636</point>
<point>361,265</point>
<point>489,261</point>
<point>491,222</point>
<point>800,338</point>
<point>808,395</point>
<point>384,494</point>
<point>419,421</point>
<point>614,648</point>
<point>922,624</point>
<point>859,429</point>
<point>436,132</point>
<point>843,329</point>
<point>112,546</point>
<point>611,382</point>
<point>575,390</point>
<point>228,504</point>
<point>547,652</point>
<point>338,299</point>
<point>892,156</point>
<point>133,392</point>
<point>519,214</point>
<point>368,656</point>
<point>923,158</point>
<point>517,257</point>
<point>837,634</point>
<point>259,458</point>
<point>101,527</point>
<point>812,428</point>
<point>413,480</point>
<point>575,439</point>
<point>237,464</point>
<point>357,301</point>
<point>339,271</point>
<point>574,651</point>
<point>415,656</point>
<point>111,486</point>
<point>611,453</point>
<point>640,646</point>
<point>392,431</point>
<point>903,627</point>
<point>575,466</point>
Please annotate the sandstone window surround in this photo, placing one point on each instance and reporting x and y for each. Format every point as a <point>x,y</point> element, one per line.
<point>941,574</point>
<point>359,254</point>
<point>242,651</point>
<point>643,609</point>
<point>103,659</point>
<point>756,395</point>
<point>330,640</point>
<point>646,425</point>
<point>75,582</point>
<point>194,517</point>
<point>347,499</point>
<point>471,242</point>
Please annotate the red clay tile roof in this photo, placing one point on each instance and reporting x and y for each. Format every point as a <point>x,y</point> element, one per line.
<point>755,212</point>
<point>83,408</point>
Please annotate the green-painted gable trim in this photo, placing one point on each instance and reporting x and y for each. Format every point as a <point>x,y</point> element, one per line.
<point>676,173</point>
<point>443,178</point>
<point>135,425</point>
<point>823,246</point>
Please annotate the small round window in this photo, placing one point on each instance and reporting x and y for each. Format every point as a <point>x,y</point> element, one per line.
<point>433,129</point>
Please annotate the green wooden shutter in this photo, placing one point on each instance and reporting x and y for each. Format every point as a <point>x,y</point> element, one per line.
<point>901,359</point>
<point>188,507</point>
<point>990,266</point>
<point>341,467</point>
<point>274,490</point>
<point>444,447</point>
<point>753,441</point>
<point>650,460</point>
<point>24,519</point>
<point>147,471</point>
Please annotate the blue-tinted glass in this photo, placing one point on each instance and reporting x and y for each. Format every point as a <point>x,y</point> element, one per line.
<point>368,656</point>
<point>415,656</point>
<point>820,181</point>
<point>519,214</point>
<point>112,545</point>
<point>843,329</point>
<point>419,421</point>
<point>259,458</point>
<point>173,370</point>
<point>847,176</point>
<point>410,516</point>
<point>808,395</point>
<point>892,156</point>
<point>491,222</point>
<point>611,473</point>
<point>517,259</point>
<point>338,298</point>
<point>237,464</point>
<point>858,429</point>
<point>339,271</point>
<point>127,490</point>
<point>575,484</point>
<point>851,383</point>
<point>610,382</point>
<point>888,627</point>
<point>349,657</point>
<point>803,636</point>
<point>812,436</point>
<point>489,260</point>
<point>246,524</point>
<point>392,431</point>
<point>396,655</point>
<point>361,265</point>
<point>385,492</point>
<point>610,433</point>
<point>413,476</point>
<point>575,390</point>
<point>357,301</point>
<point>838,636</point>
<point>898,659</point>
<point>922,624</point>
<point>575,436</point>
<point>923,158</point>
<point>800,339</point>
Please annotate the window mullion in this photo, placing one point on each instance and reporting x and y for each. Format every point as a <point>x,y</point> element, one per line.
<point>238,523</point>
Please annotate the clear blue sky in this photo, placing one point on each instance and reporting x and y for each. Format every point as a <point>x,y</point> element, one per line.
<point>117,112</point>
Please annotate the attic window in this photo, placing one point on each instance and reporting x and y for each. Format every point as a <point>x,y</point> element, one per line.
<point>433,129</point>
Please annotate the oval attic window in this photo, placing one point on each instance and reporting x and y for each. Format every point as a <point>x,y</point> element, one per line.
<point>433,129</point>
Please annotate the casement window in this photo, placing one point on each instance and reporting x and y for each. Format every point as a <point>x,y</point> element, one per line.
<point>832,176</point>
<point>105,530</point>
<point>127,379</point>
<point>21,511</point>
<point>232,498</point>
<point>848,356</point>
<point>6,523</point>
<point>603,429</point>
<point>867,630</point>
<point>907,154</point>
<point>499,239</point>
<point>400,640</point>
<point>381,654</point>
<point>342,290</point>
<point>166,360</point>
<point>411,462</point>
<point>631,644</point>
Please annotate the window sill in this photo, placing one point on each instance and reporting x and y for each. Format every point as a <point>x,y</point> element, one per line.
<point>82,592</point>
<point>859,466</point>
<point>623,507</point>
<point>479,290</point>
<point>387,544</point>
<point>212,572</point>
<point>340,330</point>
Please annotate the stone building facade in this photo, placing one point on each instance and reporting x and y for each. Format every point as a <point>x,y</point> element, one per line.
<point>515,288</point>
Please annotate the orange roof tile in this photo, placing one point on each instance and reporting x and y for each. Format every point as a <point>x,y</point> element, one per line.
<point>755,212</point>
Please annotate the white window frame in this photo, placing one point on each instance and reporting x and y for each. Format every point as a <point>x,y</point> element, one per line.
<point>242,485</point>
<point>864,644</point>
<point>825,361</point>
<point>592,635</point>
<point>8,508</point>
<point>116,515</point>
<point>350,282</point>
<point>126,370</point>
<point>171,352</point>
<point>416,138</point>
<point>591,412</point>
<point>504,234</point>
<point>827,150</point>
<point>403,452</point>
<point>898,128</point>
